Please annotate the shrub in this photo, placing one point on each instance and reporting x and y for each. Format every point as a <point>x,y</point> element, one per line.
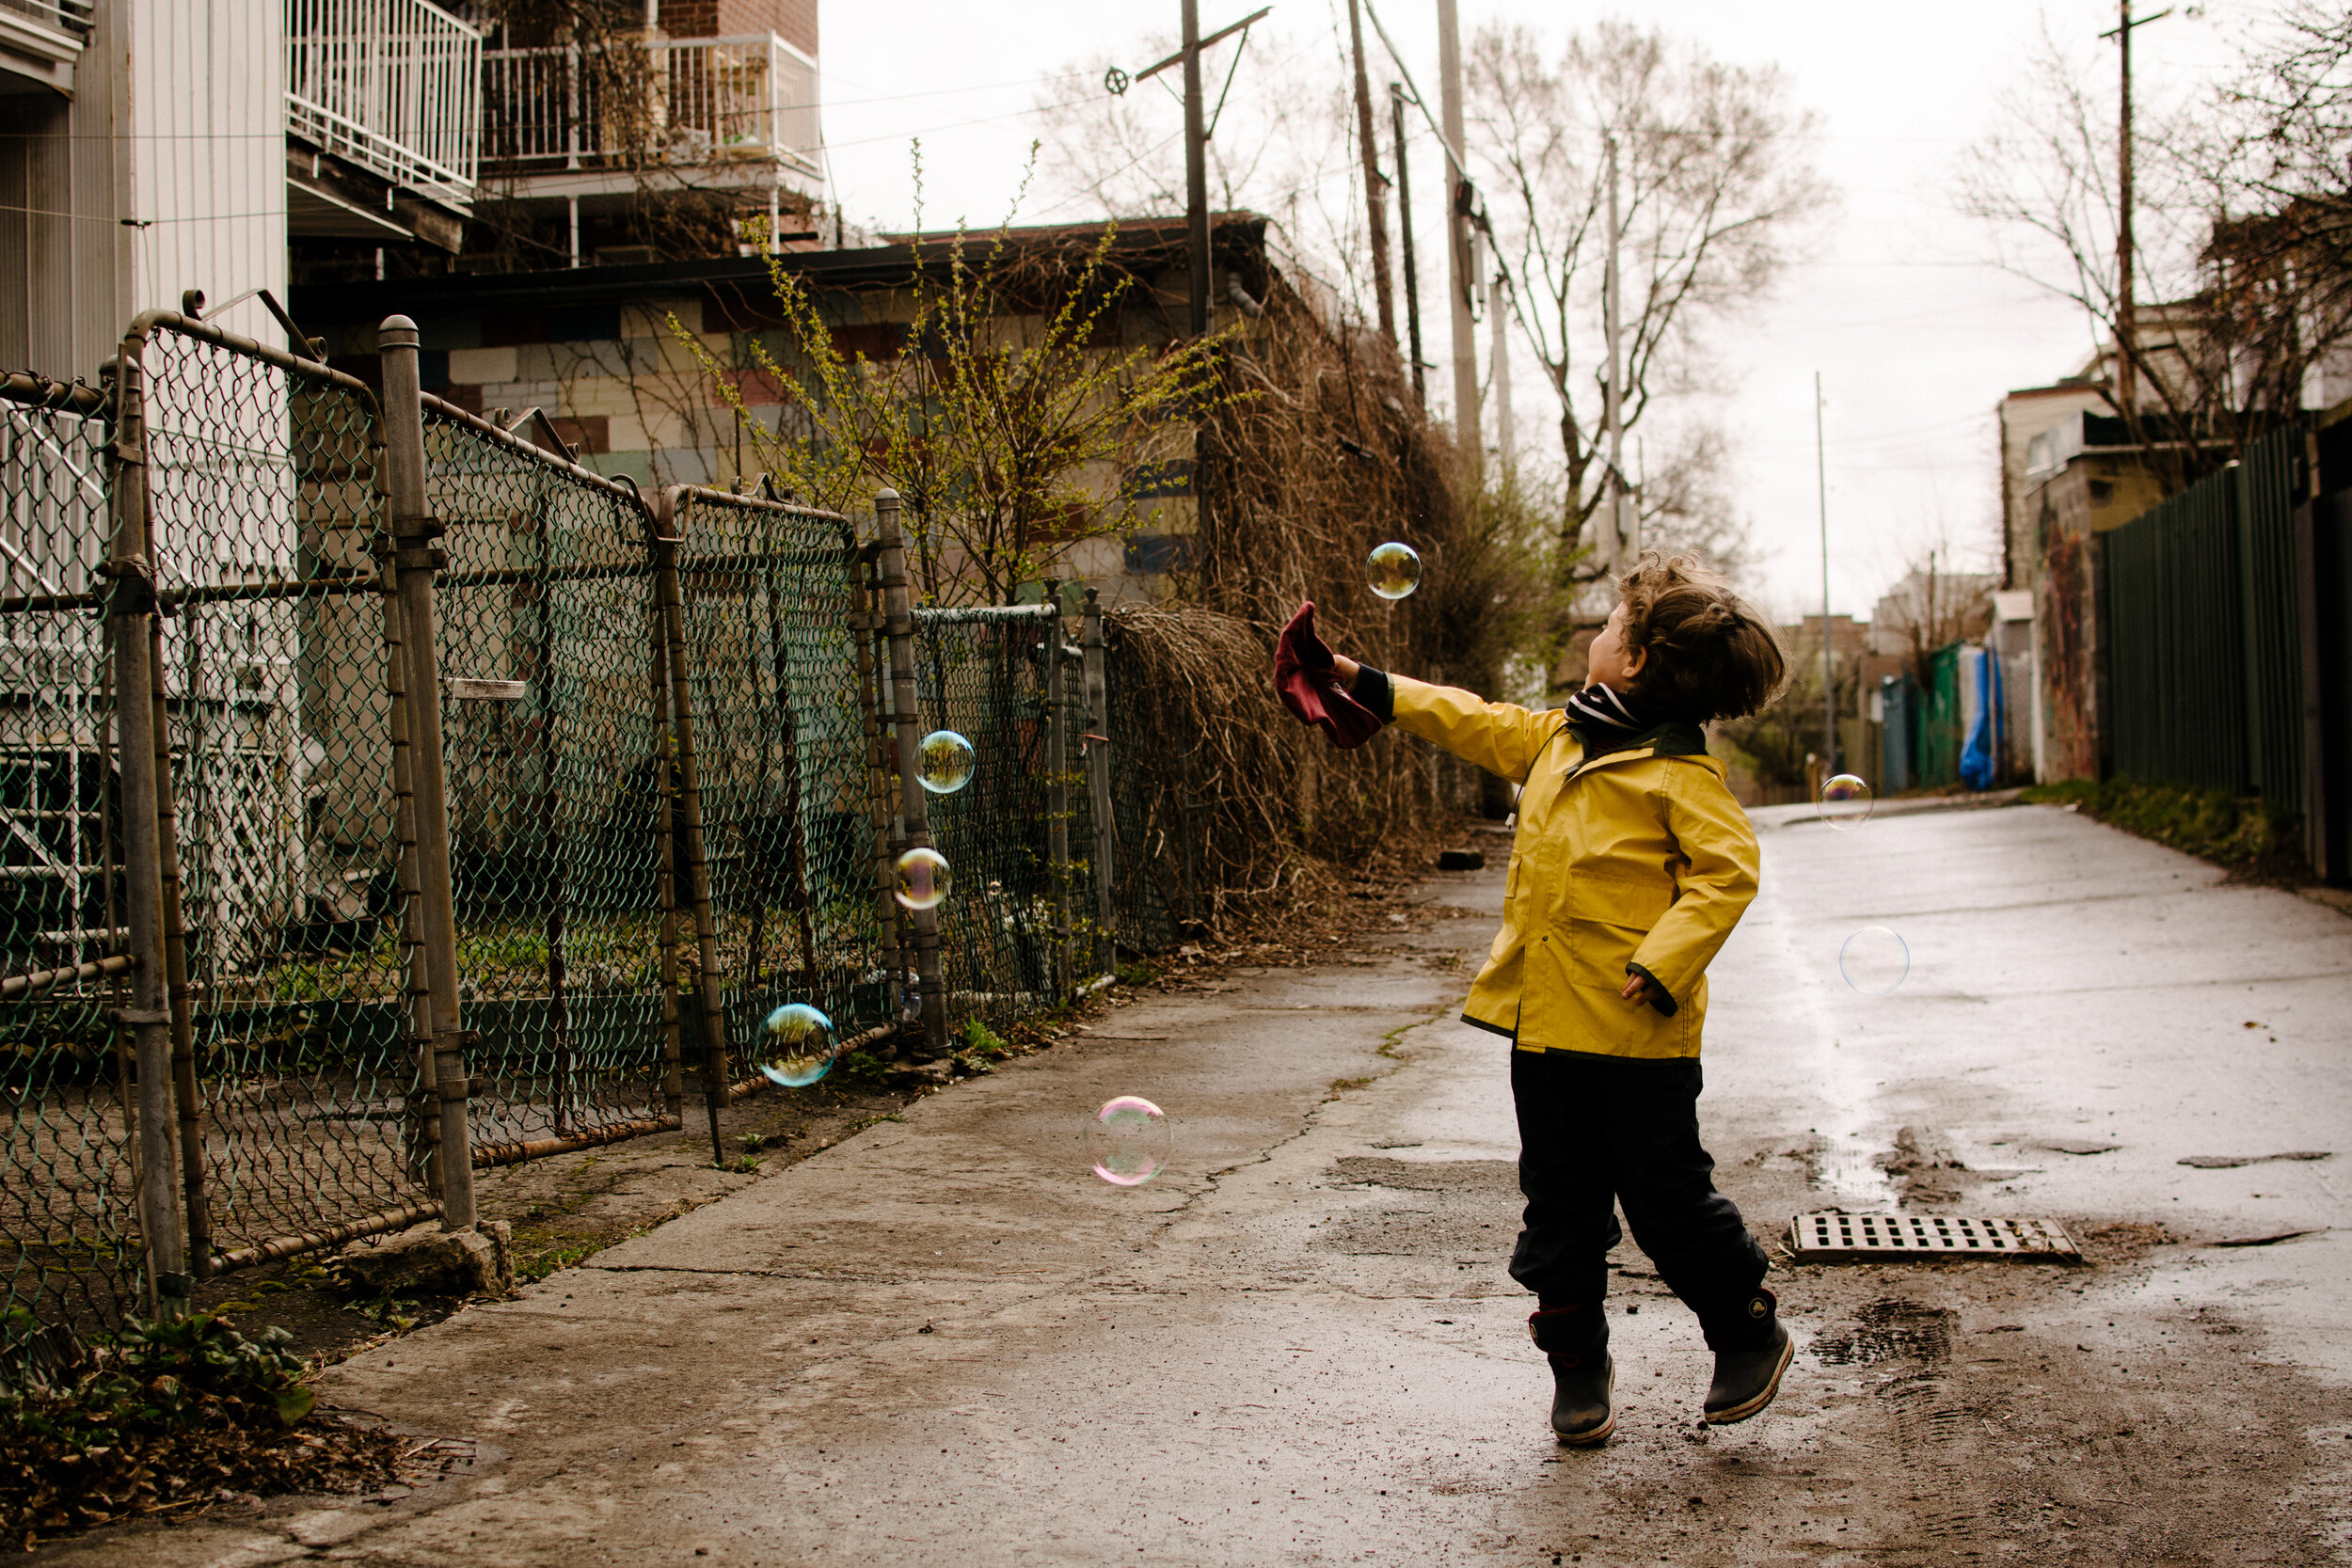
<point>169,1416</point>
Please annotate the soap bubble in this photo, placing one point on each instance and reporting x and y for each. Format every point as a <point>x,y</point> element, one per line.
<point>1874,960</point>
<point>795,1046</point>
<point>1845,801</point>
<point>1128,1140</point>
<point>947,762</point>
<point>1394,569</point>
<point>923,879</point>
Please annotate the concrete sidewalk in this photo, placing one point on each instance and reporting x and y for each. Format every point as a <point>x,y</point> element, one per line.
<point>945,1341</point>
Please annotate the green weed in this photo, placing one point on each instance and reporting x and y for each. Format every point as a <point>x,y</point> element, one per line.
<point>2211,824</point>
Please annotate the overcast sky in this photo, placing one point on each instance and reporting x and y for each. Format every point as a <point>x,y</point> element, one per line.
<point>1915,335</point>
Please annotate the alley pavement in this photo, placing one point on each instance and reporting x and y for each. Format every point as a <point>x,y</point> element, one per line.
<point>945,1340</point>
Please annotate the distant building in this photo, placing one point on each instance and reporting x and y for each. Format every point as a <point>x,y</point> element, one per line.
<point>153,147</point>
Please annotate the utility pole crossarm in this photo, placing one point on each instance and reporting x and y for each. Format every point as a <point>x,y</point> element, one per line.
<point>1218,37</point>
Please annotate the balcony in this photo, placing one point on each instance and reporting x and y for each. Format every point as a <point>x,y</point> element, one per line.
<point>389,91</point>
<point>41,39</point>
<point>723,112</point>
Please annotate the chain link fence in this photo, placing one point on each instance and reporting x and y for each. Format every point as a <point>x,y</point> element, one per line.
<point>70,1251</point>
<point>553,745</point>
<point>261,504</point>
<point>340,946</point>
<point>983,675</point>
<point>786,811</point>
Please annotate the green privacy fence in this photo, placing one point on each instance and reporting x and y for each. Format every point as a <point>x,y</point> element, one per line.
<point>386,798</point>
<point>2200,622</point>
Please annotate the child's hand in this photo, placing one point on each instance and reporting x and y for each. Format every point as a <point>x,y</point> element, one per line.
<point>1346,668</point>
<point>1641,988</point>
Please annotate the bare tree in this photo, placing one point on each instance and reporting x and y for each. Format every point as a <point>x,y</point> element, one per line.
<point>1716,200</point>
<point>1933,607</point>
<point>2240,219</point>
<point>1280,122</point>
<point>1002,410</point>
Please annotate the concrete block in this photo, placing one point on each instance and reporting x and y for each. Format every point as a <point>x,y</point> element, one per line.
<point>438,1262</point>
<point>481,364</point>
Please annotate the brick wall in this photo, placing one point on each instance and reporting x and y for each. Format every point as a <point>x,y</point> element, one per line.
<point>794,20</point>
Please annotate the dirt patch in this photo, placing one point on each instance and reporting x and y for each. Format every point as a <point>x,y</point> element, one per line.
<point>1887,1329</point>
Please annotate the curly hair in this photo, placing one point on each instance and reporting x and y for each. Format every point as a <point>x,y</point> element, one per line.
<point>1708,654</point>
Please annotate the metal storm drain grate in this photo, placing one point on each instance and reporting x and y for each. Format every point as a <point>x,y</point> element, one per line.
<point>1833,1235</point>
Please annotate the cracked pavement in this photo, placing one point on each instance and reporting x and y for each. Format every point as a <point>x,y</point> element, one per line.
<point>945,1340</point>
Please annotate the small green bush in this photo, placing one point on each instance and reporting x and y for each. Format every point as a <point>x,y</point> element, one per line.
<point>165,1415</point>
<point>2211,824</point>
<point>981,1041</point>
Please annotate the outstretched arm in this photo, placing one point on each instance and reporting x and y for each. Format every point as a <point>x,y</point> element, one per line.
<point>1501,737</point>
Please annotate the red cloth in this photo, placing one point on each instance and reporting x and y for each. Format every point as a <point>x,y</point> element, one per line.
<point>1311,688</point>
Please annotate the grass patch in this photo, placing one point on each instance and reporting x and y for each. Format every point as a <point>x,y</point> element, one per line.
<point>547,1262</point>
<point>981,1041</point>
<point>2243,835</point>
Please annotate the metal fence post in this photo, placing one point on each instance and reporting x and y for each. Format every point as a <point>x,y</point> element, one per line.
<point>665,864</point>
<point>184,1090</point>
<point>1058,783</point>
<point>866,620</point>
<point>130,608</point>
<point>414,559</point>
<point>716,1091</point>
<point>423,1124</point>
<point>899,612</point>
<point>1098,755</point>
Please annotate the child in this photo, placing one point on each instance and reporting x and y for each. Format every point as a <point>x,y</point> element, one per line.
<point>1632,864</point>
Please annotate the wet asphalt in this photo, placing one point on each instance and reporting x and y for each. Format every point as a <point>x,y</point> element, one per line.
<point>945,1341</point>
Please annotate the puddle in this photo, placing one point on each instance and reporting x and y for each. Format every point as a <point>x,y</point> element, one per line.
<point>1845,1159</point>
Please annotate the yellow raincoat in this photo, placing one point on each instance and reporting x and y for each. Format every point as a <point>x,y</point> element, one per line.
<point>1640,860</point>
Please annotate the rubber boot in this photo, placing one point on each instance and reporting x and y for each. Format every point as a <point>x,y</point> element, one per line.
<point>1751,1351</point>
<point>1574,1339</point>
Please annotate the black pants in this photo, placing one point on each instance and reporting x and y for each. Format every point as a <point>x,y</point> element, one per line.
<point>1595,1131</point>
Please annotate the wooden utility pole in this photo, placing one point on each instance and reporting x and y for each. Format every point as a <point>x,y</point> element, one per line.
<point>2126,339</point>
<point>2126,312</point>
<point>1461,278</point>
<point>1613,396</point>
<point>1405,235</point>
<point>1829,683</point>
<point>1196,172</point>
<point>1375,199</point>
<point>1498,368</point>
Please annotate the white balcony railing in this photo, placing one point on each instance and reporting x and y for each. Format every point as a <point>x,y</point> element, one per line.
<point>393,86</point>
<point>696,102</point>
<point>69,18</point>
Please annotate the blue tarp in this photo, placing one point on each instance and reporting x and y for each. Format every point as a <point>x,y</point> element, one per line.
<point>1976,752</point>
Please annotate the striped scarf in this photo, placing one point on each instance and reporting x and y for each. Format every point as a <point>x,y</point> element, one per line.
<point>1606,719</point>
